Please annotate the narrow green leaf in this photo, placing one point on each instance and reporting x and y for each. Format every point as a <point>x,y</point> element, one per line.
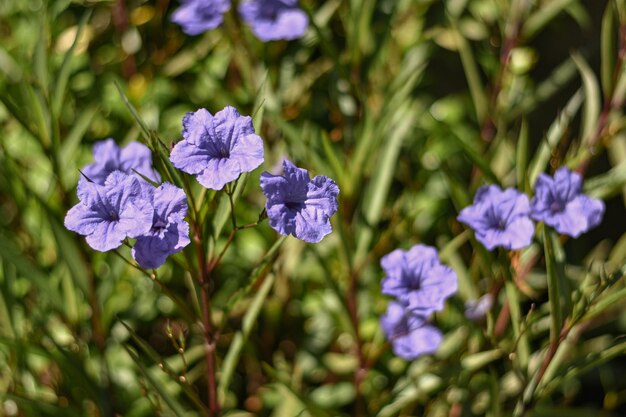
<point>172,402</point>
<point>591,110</point>
<point>542,16</point>
<point>167,365</point>
<point>554,135</point>
<point>236,347</point>
<point>133,111</point>
<point>607,49</point>
<point>521,156</point>
<point>556,293</point>
<point>60,85</point>
<point>379,188</point>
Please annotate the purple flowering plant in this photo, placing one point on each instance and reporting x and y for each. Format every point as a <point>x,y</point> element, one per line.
<point>500,218</point>
<point>420,285</point>
<point>108,157</point>
<point>560,203</point>
<point>198,16</point>
<point>272,20</point>
<point>107,214</point>
<point>166,265</point>
<point>217,149</point>
<point>298,205</point>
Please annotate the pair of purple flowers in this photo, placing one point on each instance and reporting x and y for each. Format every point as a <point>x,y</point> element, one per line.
<point>117,203</point>
<point>218,148</point>
<point>503,218</point>
<point>420,284</point>
<point>269,19</point>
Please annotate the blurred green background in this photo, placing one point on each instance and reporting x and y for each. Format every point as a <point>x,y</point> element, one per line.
<point>410,106</point>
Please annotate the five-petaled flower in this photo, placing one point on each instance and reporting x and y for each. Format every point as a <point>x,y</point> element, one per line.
<point>169,233</point>
<point>108,157</point>
<point>107,214</point>
<point>198,16</point>
<point>560,203</point>
<point>299,205</point>
<point>217,149</point>
<point>274,19</point>
<point>409,334</point>
<point>417,279</point>
<point>499,218</point>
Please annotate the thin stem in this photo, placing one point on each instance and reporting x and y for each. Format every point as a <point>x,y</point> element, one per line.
<point>361,372</point>
<point>214,407</point>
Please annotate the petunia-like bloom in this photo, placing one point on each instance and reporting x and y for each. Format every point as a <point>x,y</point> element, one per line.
<point>109,157</point>
<point>417,279</point>
<point>198,16</point>
<point>169,233</point>
<point>217,149</point>
<point>272,20</point>
<point>499,218</point>
<point>560,203</point>
<point>107,214</point>
<point>299,205</point>
<point>408,333</point>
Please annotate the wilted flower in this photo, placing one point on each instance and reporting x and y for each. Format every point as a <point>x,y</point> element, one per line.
<point>107,214</point>
<point>197,16</point>
<point>217,149</point>
<point>417,279</point>
<point>298,205</point>
<point>560,203</point>
<point>274,19</point>
<point>109,157</point>
<point>169,233</point>
<point>408,333</point>
<point>499,218</point>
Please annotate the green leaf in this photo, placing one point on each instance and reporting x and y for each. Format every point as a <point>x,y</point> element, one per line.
<point>591,110</point>
<point>157,385</point>
<point>60,85</point>
<point>553,137</point>
<point>236,347</point>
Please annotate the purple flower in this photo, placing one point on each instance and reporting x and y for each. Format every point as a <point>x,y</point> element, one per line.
<point>109,157</point>
<point>272,20</point>
<point>217,149</point>
<point>107,214</point>
<point>408,333</point>
<point>417,279</point>
<point>169,233</point>
<point>197,16</point>
<point>499,218</point>
<point>298,205</point>
<point>477,309</point>
<point>560,203</point>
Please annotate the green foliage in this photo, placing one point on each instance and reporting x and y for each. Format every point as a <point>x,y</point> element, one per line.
<point>410,106</point>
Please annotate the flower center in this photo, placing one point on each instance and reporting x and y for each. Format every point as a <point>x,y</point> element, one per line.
<point>294,205</point>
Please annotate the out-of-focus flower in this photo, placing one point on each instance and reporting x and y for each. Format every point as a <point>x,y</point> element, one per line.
<point>417,279</point>
<point>409,335</point>
<point>477,309</point>
<point>499,218</point>
<point>107,214</point>
<point>169,233</point>
<point>299,205</point>
<point>109,157</point>
<point>198,16</point>
<point>217,149</point>
<point>560,203</point>
<point>272,20</point>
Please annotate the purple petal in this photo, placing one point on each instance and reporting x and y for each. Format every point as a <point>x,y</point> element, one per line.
<point>218,173</point>
<point>190,158</point>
